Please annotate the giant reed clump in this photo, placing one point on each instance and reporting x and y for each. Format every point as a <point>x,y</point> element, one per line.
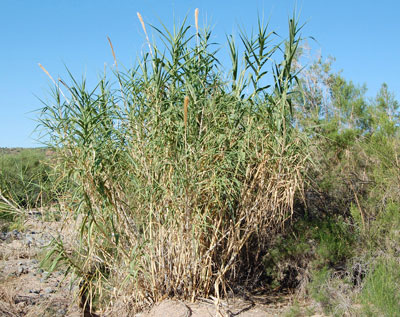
<point>180,172</point>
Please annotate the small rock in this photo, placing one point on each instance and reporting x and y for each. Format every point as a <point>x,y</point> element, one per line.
<point>16,234</point>
<point>42,242</point>
<point>34,291</point>
<point>61,312</point>
<point>22,270</point>
<point>35,213</point>
<point>34,261</point>
<point>49,290</point>
<point>29,239</point>
<point>21,305</point>
<point>27,300</point>
<point>8,237</point>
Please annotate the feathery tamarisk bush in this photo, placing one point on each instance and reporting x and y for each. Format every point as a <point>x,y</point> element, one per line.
<point>180,172</point>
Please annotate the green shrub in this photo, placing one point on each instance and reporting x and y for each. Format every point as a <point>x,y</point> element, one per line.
<point>356,175</point>
<point>310,245</point>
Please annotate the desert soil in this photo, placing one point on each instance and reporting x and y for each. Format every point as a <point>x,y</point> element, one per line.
<point>26,289</point>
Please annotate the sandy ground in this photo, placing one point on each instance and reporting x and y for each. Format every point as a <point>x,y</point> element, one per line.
<point>234,307</point>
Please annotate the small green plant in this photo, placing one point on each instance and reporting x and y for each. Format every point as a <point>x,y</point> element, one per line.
<point>318,286</point>
<point>294,311</point>
<point>333,291</point>
<point>381,290</point>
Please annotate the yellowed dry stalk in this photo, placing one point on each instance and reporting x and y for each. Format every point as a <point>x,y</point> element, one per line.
<point>145,32</point>
<point>185,111</point>
<point>181,262</point>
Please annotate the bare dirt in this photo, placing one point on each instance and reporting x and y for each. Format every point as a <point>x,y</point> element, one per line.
<point>27,289</point>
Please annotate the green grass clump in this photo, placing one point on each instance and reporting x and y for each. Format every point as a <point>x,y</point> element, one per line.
<point>381,290</point>
<point>179,172</point>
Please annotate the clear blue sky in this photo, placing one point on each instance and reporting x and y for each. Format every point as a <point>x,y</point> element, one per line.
<point>362,35</point>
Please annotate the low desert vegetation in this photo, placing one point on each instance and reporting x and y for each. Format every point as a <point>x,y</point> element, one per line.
<point>191,180</point>
<point>22,175</point>
<point>25,184</point>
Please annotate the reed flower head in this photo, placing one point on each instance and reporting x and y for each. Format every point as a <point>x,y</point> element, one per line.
<point>196,19</point>
<point>112,50</point>
<point>145,32</point>
<point>142,22</point>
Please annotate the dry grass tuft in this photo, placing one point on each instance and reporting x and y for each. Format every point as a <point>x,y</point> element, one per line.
<point>7,306</point>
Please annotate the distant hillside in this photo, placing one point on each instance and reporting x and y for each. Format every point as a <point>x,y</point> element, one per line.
<point>19,150</point>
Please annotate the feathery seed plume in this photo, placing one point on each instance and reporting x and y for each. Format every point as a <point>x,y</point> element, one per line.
<point>47,73</point>
<point>145,32</point>
<point>196,19</point>
<point>113,53</point>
